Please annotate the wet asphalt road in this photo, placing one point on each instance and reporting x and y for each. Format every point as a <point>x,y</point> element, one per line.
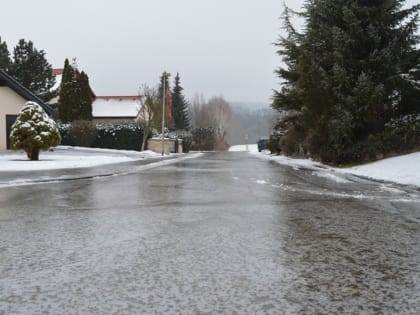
<point>224,233</point>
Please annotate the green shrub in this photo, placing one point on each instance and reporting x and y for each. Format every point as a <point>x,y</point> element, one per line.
<point>107,135</point>
<point>83,132</point>
<point>34,131</point>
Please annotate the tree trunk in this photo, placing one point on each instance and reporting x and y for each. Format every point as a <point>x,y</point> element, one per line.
<point>34,154</point>
<point>145,136</point>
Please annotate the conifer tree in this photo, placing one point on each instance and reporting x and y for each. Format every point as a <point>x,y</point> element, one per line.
<point>67,96</point>
<point>4,56</point>
<point>85,103</point>
<point>180,111</point>
<point>75,102</point>
<point>348,72</point>
<point>34,131</point>
<point>32,70</point>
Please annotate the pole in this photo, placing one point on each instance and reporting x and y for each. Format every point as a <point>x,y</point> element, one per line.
<point>163,113</point>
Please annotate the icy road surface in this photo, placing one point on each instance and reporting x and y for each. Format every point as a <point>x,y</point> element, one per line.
<point>223,233</point>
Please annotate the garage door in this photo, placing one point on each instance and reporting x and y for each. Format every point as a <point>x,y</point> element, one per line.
<point>10,120</point>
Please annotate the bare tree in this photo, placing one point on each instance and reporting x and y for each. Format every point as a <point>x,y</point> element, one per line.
<point>197,111</point>
<point>150,114</point>
<point>215,116</point>
<point>219,116</point>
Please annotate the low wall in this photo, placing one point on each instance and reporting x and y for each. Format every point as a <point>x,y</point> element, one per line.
<point>169,145</point>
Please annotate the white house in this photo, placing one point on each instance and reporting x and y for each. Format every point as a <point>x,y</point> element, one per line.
<point>116,108</point>
<point>13,96</point>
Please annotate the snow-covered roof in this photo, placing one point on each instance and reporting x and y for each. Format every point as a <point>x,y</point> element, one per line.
<point>58,74</point>
<point>116,106</point>
<point>57,84</point>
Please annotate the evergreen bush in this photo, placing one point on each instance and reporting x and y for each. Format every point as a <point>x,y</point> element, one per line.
<point>118,136</point>
<point>203,138</point>
<point>83,132</point>
<point>34,131</point>
<point>107,135</point>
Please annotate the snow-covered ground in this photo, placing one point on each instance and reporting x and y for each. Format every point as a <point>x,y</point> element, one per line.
<point>403,169</point>
<point>70,157</point>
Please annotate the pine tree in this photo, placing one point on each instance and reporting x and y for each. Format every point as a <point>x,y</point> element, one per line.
<point>180,111</point>
<point>67,97</point>
<point>348,72</point>
<point>4,56</point>
<point>34,131</point>
<point>85,103</point>
<point>75,98</point>
<point>32,70</point>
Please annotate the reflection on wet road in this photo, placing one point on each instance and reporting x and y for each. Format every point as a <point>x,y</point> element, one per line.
<point>223,233</point>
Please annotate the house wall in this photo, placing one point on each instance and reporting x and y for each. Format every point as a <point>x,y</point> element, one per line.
<point>10,104</point>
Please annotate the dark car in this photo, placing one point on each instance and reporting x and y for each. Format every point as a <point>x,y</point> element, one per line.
<point>262,144</point>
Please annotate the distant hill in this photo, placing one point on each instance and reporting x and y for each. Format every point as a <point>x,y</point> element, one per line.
<point>250,105</point>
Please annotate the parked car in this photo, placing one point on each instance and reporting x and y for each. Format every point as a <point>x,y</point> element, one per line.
<point>262,144</point>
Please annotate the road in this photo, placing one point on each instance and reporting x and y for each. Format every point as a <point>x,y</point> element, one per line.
<point>222,233</point>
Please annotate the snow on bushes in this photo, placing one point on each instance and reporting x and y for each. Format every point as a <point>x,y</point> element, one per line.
<point>34,131</point>
<point>126,136</point>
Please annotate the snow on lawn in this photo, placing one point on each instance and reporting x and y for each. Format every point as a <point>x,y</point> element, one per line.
<point>69,157</point>
<point>403,169</point>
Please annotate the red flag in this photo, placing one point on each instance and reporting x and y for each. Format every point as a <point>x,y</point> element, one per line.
<point>168,100</point>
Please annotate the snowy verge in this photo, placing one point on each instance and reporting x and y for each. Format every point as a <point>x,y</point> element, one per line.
<point>64,157</point>
<point>401,169</point>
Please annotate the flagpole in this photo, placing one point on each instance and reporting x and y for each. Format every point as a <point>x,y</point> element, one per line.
<point>163,112</point>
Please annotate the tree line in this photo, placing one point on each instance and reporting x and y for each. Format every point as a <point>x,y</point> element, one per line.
<point>29,67</point>
<point>205,124</point>
<point>352,69</point>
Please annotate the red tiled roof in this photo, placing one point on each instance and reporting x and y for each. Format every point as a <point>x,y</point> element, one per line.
<point>120,97</point>
<point>57,71</point>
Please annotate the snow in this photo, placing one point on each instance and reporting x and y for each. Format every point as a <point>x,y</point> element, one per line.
<point>57,84</point>
<point>50,161</point>
<point>79,158</point>
<point>403,169</point>
<point>115,107</point>
<point>244,148</point>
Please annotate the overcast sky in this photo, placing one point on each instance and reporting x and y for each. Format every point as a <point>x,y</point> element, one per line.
<point>219,47</point>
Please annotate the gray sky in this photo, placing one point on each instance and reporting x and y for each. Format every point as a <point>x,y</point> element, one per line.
<point>219,47</point>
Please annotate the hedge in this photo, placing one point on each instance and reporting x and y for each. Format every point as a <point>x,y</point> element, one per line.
<point>126,136</point>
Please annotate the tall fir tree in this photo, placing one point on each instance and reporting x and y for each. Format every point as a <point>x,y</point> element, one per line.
<point>4,56</point>
<point>180,111</point>
<point>31,68</point>
<point>348,72</point>
<point>85,103</point>
<point>75,96</point>
<point>66,93</point>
